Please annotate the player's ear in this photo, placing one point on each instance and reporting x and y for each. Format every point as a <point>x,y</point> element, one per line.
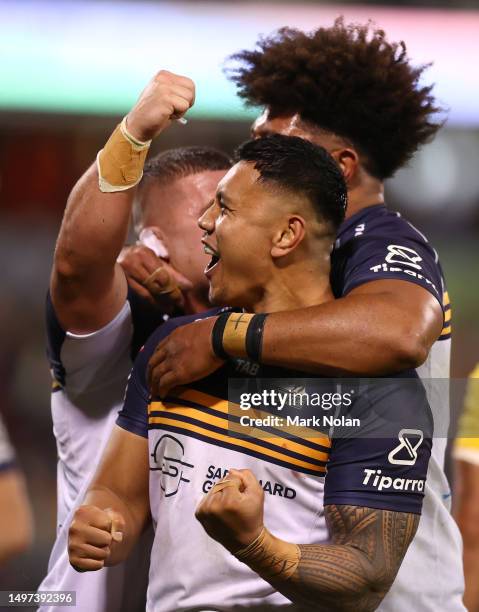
<point>288,236</point>
<point>348,160</point>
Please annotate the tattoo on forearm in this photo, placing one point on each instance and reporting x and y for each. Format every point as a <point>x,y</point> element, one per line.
<point>356,569</point>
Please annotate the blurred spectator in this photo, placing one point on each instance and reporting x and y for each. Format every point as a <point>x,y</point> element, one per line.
<point>15,513</point>
<point>466,454</point>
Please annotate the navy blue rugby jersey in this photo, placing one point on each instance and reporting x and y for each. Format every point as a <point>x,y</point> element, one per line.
<point>381,464</point>
<point>375,244</point>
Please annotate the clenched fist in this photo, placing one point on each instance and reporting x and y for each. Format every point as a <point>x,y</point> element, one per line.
<point>153,278</point>
<point>232,512</point>
<point>92,534</point>
<point>166,97</point>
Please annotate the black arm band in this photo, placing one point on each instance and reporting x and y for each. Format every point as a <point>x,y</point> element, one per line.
<point>254,337</point>
<point>217,335</point>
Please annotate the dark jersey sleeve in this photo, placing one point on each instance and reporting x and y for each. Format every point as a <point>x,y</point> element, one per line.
<point>55,338</point>
<point>382,461</point>
<point>401,257</point>
<point>134,414</point>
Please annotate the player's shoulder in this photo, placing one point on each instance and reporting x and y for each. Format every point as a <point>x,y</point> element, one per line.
<point>140,366</point>
<point>388,403</point>
<point>84,359</point>
<point>379,222</point>
<point>376,243</point>
<point>166,328</point>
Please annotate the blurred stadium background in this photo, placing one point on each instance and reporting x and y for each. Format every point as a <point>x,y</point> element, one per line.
<point>70,69</point>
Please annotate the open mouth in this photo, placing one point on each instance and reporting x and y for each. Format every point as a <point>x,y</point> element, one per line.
<point>215,257</point>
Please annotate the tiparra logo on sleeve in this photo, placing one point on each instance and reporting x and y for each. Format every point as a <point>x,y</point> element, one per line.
<point>403,255</point>
<point>406,453</point>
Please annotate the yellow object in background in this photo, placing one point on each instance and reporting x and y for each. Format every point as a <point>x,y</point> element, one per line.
<point>466,446</point>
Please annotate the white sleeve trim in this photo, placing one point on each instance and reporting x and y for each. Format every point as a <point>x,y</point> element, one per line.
<point>125,310</point>
<point>98,359</point>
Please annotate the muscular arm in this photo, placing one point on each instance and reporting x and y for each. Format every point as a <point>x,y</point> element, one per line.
<point>87,286</point>
<point>352,572</point>
<point>356,569</point>
<point>120,486</point>
<point>380,327</point>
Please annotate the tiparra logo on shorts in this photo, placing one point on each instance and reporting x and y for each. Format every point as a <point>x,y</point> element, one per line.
<point>168,459</point>
<point>406,453</point>
<point>403,255</point>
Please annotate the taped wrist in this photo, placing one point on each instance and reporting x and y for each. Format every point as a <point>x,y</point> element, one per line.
<point>238,334</point>
<point>270,557</point>
<point>120,162</point>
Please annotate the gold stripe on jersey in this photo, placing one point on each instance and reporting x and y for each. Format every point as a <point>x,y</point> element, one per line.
<point>446,328</point>
<point>227,407</point>
<point>237,443</point>
<point>217,429</point>
<point>222,423</point>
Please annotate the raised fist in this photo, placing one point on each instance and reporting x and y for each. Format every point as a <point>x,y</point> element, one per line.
<point>91,536</point>
<point>232,512</point>
<point>166,97</point>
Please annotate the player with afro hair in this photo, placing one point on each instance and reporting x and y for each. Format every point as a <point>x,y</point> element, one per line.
<point>353,92</point>
<point>348,80</point>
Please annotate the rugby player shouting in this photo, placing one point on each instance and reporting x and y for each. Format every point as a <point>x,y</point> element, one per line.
<point>271,229</point>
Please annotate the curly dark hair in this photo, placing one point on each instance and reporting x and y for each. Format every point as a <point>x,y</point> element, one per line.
<point>300,166</point>
<point>346,79</point>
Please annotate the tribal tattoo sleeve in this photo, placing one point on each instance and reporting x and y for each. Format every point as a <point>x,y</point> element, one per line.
<point>355,570</point>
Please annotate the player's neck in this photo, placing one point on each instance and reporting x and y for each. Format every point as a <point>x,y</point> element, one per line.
<point>195,302</point>
<point>365,190</point>
<point>294,287</point>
